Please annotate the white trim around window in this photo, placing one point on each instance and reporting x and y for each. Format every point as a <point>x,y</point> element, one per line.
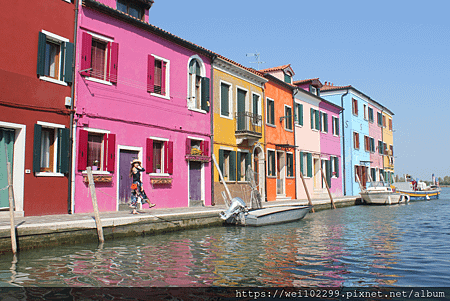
<point>53,173</point>
<point>167,83</point>
<point>230,100</point>
<point>267,112</point>
<point>60,40</point>
<point>292,119</point>
<point>246,102</point>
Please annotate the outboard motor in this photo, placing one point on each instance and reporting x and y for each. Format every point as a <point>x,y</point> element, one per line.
<point>231,215</point>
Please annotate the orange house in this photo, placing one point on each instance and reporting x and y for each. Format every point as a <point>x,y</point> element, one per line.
<point>280,143</point>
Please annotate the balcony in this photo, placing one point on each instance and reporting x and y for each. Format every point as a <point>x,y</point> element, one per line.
<point>248,126</point>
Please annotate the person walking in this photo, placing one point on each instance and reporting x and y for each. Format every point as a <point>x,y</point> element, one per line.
<point>137,190</point>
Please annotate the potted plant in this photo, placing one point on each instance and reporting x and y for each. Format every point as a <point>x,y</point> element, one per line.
<point>158,168</point>
<point>95,165</point>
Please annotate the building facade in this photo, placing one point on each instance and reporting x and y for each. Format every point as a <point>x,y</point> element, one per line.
<point>238,128</point>
<point>388,145</point>
<point>279,134</point>
<point>36,72</point>
<point>141,93</point>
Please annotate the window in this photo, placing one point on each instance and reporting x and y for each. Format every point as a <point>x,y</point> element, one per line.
<point>355,106</point>
<point>288,118</point>
<point>366,143</point>
<point>157,76</point>
<point>334,167</point>
<point>390,124</point>
<point>271,167</point>
<point>313,90</point>
<point>255,119</point>
<point>96,149</point>
<point>380,147</point>
<point>288,78</point>
<point>370,114</point>
<point>379,119</point>
<point>198,97</point>
<point>298,111</point>
<point>315,119</point>
<point>197,147</point>
<point>270,111</point>
<point>224,99</point>
<point>306,164</point>
<point>55,57</point>
<point>324,122</point>
<point>384,121</point>
<point>355,140</point>
<point>335,125</point>
<point>385,149</point>
<point>227,164</point>
<point>243,161</point>
<point>159,157</point>
<point>290,164</point>
<point>50,148</point>
<point>391,150</point>
<point>372,145</point>
<point>99,58</point>
<point>366,112</point>
<point>130,8</point>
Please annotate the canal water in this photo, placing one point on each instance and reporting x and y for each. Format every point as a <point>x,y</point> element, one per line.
<point>401,245</point>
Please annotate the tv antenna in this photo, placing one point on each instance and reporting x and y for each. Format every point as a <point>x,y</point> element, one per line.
<point>257,57</point>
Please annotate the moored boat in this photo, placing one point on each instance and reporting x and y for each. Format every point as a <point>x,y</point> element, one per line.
<point>417,190</point>
<point>380,193</point>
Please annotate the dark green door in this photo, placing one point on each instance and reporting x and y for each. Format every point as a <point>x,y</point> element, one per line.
<point>6,155</point>
<point>241,120</point>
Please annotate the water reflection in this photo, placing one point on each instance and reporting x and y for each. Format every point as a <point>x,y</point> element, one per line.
<point>355,246</point>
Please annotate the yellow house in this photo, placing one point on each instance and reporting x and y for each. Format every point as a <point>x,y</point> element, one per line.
<point>388,144</point>
<point>238,121</point>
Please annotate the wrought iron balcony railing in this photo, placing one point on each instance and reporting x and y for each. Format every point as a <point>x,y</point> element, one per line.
<point>248,123</point>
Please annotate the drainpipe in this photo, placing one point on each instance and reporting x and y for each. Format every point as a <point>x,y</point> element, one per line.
<point>264,197</point>
<point>72,106</point>
<point>382,140</point>
<point>343,142</point>
<point>211,112</point>
<point>295,141</point>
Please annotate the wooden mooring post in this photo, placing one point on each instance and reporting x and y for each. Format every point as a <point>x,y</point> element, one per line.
<point>11,209</point>
<point>307,192</point>
<point>328,188</point>
<point>98,222</point>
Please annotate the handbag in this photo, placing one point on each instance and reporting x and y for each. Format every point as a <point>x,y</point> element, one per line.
<point>134,186</point>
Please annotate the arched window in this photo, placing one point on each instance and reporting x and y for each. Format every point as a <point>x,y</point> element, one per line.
<point>198,85</point>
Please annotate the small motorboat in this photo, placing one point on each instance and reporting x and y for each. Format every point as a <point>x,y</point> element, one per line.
<point>417,190</point>
<point>380,193</point>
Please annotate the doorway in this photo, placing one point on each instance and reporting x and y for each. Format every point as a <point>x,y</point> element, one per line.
<point>125,158</point>
<point>195,183</point>
<point>281,173</point>
<point>6,155</point>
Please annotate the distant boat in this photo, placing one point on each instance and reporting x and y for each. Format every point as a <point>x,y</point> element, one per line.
<point>417,190</point>
<point>380,193</point>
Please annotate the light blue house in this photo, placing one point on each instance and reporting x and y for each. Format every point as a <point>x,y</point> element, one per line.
<point>356,145</point>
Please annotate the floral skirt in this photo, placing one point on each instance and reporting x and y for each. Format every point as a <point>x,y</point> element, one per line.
<point>139,192</point>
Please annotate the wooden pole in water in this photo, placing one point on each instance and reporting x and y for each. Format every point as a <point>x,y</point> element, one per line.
<point>11,209</point>
<point>98,222</point>
<point>307,192</point>
<point>328,189</point>
<point>222,179</point>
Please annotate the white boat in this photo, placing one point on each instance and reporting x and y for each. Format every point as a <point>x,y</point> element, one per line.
<point>380,193</point>
<point>238,214</point>
<point>417,190</point>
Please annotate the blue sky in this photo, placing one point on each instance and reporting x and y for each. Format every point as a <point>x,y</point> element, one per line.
<point>397,52</point>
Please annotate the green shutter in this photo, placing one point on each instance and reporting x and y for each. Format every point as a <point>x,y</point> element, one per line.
<point>337,126</point>
<point>221,160</point>
<point>309,165</point>
<point>300,114</point>
<point>248,162</point>
<point>301,163</point>
<point>272,112</point>
<point>336,166</point>
<point>255,105</point>
<point>6,155</point>
<point>318,119</point>
<point>205,94</point>
<point>274,168</point>
<point>63,150</point>
<point>68,62</point>
<point>328,172</point>
<point>238,163</point>
<point>37,148</point>
<point>41,53</point>
<point>290,165</point>
<point>312,118</point>
<point>325,124</point>
<point>232,166</point>
<point>224,101</point>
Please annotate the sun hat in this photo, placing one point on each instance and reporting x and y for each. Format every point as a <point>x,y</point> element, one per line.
<point>135,161</point>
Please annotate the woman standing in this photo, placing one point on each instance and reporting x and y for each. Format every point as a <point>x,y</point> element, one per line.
<point>137,190</point>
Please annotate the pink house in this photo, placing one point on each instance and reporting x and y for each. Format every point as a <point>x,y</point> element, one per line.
<point>375,138</point>
<point>141,93</point>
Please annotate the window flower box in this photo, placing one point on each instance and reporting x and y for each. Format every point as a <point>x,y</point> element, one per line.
<point>160,180</point>
<point>99,178</point>
<point>197,158</point>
